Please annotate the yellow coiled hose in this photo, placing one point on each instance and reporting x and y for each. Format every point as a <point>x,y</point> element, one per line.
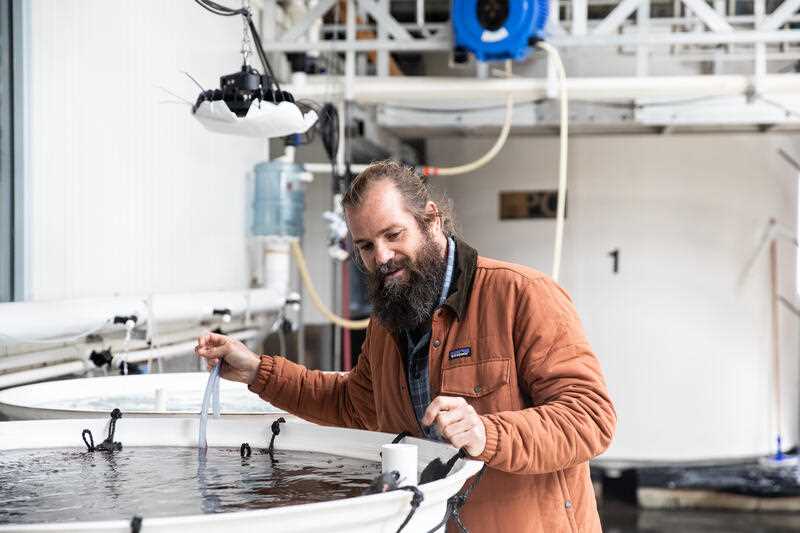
<point>297,253</point>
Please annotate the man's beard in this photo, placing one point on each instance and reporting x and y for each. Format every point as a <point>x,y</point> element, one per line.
<point>408,303</point>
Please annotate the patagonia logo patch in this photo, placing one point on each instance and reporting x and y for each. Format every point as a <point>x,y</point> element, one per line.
<point>458,353</point>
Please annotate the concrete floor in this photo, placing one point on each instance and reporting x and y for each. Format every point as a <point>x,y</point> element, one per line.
<point>622,517</point>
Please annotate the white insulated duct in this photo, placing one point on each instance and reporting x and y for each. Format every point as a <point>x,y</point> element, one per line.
<point>428,89</point>
<point>52,322</point>
<point>24,322</point>
<point>135,356</point>
<point>47,372</point>
<point>67,320</point>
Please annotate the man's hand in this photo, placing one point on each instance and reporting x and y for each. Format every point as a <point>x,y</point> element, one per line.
<point>238,362</point>
<point>458,422</point>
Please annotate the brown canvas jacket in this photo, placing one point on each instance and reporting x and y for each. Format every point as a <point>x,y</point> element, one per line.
<point>530,374</point>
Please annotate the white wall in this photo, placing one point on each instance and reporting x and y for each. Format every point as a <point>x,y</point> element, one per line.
<point>315,242</point>
<point>130,194</point>
<point>686,350</point>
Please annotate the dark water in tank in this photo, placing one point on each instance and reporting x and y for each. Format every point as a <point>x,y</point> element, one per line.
<point>70,485</point>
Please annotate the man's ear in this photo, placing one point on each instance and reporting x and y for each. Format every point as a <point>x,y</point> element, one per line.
<point>433,214</point>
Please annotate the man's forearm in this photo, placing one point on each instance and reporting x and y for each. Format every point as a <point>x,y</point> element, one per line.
<point>314,395</point>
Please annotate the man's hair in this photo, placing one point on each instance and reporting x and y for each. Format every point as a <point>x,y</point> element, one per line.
<point>412,187</point>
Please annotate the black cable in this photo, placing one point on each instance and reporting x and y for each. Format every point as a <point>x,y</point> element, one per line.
<point>245,450</point>
<point>219,9</point>
<point>455,503</point>
<point>89,443</point>
<point>225,11</point>
<point>400,436</point>
<point>328,127</point>
<point>260,49</point>
<point>416,500</point>
<point>275,428</point>
<point>448,511</point>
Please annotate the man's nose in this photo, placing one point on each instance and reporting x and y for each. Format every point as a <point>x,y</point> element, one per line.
<point>383,254</point>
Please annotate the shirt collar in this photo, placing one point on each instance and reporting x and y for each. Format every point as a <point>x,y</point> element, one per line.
<point>466,266</point>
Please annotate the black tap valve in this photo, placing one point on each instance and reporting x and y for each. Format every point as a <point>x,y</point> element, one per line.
<point>122,319</point>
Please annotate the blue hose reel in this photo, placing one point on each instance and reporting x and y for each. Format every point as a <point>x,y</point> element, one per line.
<point>495,30</point>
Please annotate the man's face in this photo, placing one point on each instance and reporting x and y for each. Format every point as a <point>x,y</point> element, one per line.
<point>405,263</point>
<point>384,231</point>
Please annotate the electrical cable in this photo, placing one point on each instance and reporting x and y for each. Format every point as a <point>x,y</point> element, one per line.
<point>562,162</point>
<point>498,145</point>
<point>328,127</point>
<point>297,253</point>
<point>225,11</point>
<point>219,9</point>
<point>261,54</point>
<point>488,156</point>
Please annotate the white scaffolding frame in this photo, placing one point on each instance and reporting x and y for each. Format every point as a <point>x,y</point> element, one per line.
<point>628,24</point>
<point>699,31</point>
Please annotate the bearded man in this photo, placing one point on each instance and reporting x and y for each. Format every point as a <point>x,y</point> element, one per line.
<point>486,355</point>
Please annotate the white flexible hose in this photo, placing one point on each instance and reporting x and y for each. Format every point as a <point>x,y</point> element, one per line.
<point>212,390</point>
<point>493,151</point>
<point>562,162</point>
<point>297,253</point>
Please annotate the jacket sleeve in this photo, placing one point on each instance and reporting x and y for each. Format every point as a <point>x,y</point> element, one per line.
<point>572,419</point>
<point>328,398</point>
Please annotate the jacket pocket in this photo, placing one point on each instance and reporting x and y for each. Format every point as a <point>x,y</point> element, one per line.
<point>569,503</point>
<point>476,380</point>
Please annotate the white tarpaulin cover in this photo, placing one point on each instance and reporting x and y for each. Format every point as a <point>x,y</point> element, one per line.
<point>263,120</point>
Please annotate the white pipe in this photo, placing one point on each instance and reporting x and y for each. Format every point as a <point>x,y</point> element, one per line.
<point>174,350</point>
<point>325,168</point>
<point>40,374</point>
<point>562,161</point>
<point>493,151</point>
<point>39,358</point>
<point>425,89</point>
<point>200,306</point>
<point>51,322</point>
<point>22,322</point>
<point>81,367</point>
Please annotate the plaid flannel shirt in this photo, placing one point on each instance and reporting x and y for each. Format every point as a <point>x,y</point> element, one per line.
<point>417,375</point>
<point>417,356</point>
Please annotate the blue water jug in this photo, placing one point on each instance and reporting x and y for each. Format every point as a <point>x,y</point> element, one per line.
<point>278,199</point>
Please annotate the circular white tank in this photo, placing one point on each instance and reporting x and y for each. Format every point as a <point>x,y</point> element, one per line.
<point>141,395</point>
<point>374,513</point>
<point>683,336</point>
<point>683,327</point>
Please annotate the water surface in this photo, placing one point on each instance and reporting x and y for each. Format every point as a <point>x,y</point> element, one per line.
<point>62,485</point>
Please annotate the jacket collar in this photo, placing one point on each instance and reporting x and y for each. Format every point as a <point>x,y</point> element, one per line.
<point>467,264</point>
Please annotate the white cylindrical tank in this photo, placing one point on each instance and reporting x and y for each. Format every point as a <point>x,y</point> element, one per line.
<point>683,335</point>
<point>683,338</point>
<point>375,512</point>
<point>161,395</point>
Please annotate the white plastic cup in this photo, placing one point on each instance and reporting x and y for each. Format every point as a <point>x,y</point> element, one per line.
<point>403,459</point>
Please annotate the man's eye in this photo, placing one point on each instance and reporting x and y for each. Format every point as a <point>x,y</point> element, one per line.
<point>365,247</point>
<point>393,236</point>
